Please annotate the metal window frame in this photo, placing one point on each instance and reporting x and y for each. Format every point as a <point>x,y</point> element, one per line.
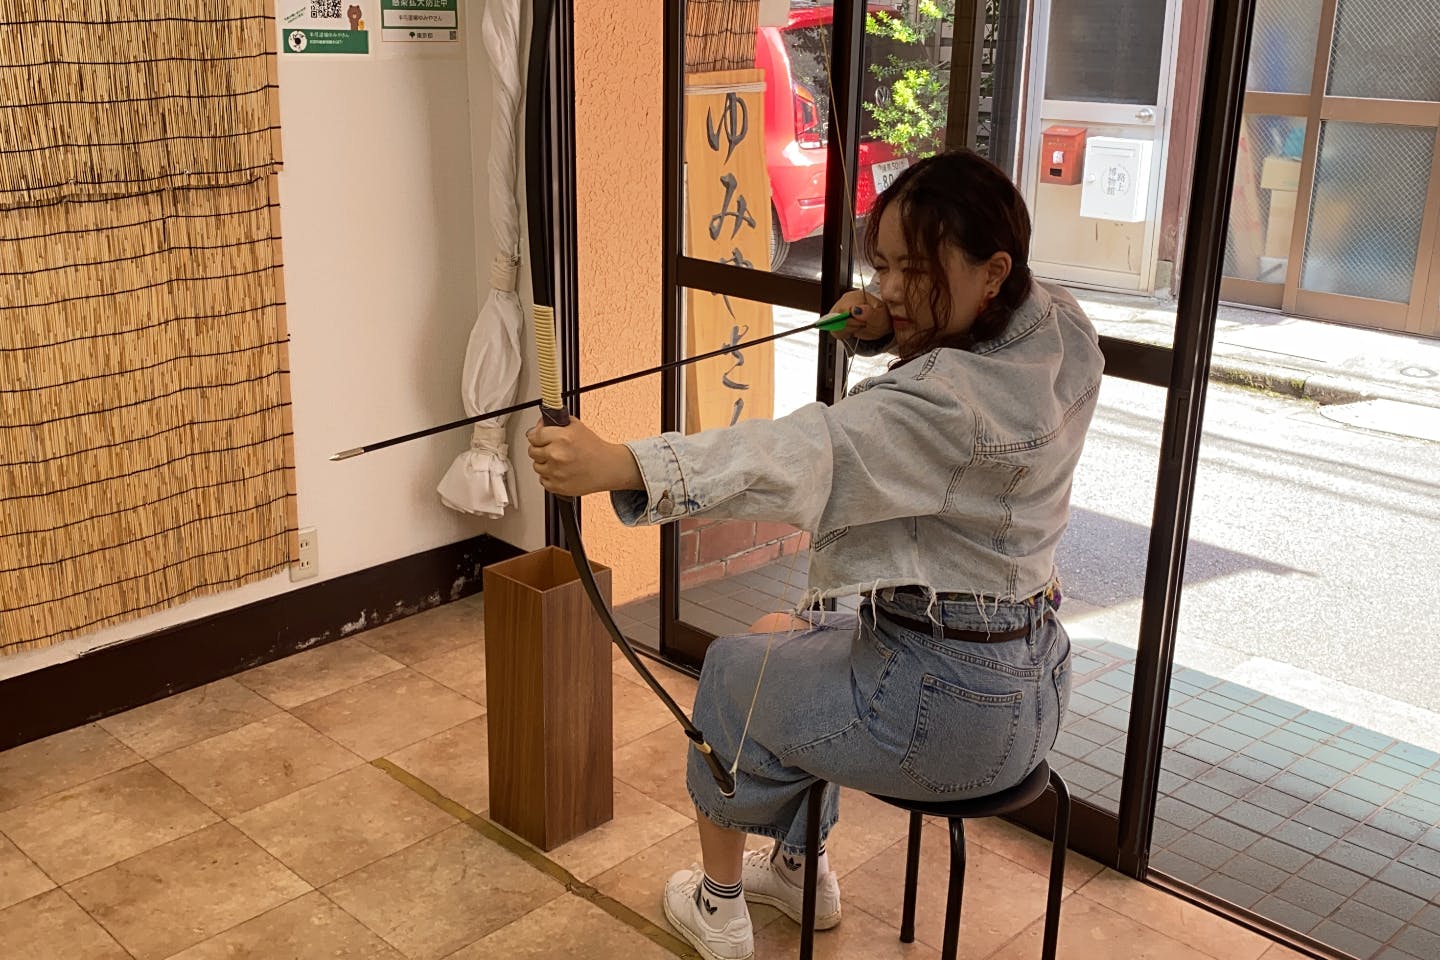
<point>1122,840</point>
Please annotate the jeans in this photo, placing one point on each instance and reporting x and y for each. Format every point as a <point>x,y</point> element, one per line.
<point>863,702</point>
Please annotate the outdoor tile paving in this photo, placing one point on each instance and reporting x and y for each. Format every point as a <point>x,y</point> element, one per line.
<point>1315,823</point>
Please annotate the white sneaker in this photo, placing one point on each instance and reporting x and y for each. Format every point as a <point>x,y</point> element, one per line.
<point>734,941</point>
<point>764,883</point>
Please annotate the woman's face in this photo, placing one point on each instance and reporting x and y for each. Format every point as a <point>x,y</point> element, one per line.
<point>904,283</point>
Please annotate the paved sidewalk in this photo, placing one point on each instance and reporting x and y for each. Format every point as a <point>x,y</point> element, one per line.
<point>1324,362</point>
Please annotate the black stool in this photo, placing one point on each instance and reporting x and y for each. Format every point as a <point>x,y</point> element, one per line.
<point>997,804</point>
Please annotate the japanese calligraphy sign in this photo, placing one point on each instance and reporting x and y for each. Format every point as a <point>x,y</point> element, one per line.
<point>727,220</point>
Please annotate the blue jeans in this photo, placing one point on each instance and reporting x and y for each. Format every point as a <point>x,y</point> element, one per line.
<point>864,702</point>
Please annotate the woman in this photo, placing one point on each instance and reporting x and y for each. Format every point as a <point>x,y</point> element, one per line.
<point>938,491</point>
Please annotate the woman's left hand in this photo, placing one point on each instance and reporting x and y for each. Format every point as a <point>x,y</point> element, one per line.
<point>573,460</point>
<point>869,317</point>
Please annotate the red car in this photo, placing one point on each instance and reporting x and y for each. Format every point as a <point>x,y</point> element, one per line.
<point>797,110</point>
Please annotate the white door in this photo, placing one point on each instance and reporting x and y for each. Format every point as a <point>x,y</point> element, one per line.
<point>1105,66</point>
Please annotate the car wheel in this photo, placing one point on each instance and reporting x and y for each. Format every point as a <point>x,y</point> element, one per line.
<point>779,246</point>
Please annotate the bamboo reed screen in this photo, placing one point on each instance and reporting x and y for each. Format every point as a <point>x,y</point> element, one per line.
<point>720,34</point>
<point>145,443</point>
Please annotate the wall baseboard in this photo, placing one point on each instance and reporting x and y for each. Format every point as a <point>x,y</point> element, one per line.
<point>113,679</point>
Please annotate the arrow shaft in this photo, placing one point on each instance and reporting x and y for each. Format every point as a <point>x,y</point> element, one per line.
<point>827,323</point>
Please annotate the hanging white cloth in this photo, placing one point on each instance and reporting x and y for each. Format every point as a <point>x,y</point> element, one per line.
<point>479,480</point>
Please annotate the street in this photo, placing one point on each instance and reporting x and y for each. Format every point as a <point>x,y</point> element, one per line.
<point>1312,557</point>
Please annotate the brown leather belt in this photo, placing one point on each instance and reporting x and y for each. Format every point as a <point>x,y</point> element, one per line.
<point>955,633</point>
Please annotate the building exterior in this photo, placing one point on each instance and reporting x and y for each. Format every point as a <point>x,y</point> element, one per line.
<point>1336,197</point>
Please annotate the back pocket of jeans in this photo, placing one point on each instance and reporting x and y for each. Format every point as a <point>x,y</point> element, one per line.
<point>962,739</point>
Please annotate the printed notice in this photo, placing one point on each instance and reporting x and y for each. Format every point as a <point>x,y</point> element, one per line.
<point>420,20</point>
<point>324,26</point>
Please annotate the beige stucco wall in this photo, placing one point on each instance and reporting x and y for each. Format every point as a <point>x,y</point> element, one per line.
<point>619,111</point>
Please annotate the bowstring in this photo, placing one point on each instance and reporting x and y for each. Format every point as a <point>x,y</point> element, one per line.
<point>857,263</point>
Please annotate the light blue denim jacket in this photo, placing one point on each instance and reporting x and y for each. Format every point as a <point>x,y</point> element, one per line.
<point>952,472</point>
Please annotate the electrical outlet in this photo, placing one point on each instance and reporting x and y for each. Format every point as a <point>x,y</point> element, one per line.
<point>308,564</point>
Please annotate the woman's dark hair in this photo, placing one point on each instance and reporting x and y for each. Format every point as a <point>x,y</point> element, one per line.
<point>958,199</point>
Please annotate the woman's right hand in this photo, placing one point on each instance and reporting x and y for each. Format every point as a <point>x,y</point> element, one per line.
<point>869,318</point>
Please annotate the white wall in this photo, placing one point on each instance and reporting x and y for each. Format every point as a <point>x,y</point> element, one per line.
<point>383,247</point>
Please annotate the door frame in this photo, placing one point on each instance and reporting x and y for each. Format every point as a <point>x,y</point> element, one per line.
<point>1316,108</point>
<point>1036,109</point>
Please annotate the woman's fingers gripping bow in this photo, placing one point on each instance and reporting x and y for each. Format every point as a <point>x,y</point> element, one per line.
<point>869,318</point>
<point>573,460</point>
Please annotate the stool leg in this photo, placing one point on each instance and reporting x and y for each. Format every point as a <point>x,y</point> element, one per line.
<point>1057,866</point>
<point>812,869</point>
<point>950,947</point>
<point>912,880</point>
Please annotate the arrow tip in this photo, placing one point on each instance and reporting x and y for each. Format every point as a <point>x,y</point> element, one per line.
<point>347,454</point>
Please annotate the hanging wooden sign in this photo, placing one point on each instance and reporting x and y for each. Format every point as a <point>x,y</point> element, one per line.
<point>727,220</point>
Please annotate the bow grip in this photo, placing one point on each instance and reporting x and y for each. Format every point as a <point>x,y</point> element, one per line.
<point>552,402</point>
<point>555,417</point>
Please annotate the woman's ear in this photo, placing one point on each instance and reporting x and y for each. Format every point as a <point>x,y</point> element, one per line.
<point>997,269</point>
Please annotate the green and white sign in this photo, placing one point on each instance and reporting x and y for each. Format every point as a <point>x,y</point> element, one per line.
<point>324,26</point>
<point>420,20</point>
<point>327,41</point>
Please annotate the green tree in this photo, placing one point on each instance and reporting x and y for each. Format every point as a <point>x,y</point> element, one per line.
<point>911,91</point>
<point>912,84</point>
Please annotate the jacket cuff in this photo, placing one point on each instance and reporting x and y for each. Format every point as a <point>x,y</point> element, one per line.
<point>666,495</point>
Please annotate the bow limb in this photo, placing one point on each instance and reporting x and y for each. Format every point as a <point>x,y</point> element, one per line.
<point>552,402</point>
<point>723,778</point>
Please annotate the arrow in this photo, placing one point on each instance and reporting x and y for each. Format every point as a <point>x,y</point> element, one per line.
<point>831,324</point>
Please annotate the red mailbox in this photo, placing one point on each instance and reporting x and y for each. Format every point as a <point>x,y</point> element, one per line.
<point>1062,154</point>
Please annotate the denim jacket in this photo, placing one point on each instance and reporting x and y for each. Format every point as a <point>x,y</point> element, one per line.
<point>951,472</point>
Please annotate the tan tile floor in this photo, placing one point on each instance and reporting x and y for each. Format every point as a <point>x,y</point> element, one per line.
<point>332,806</point>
